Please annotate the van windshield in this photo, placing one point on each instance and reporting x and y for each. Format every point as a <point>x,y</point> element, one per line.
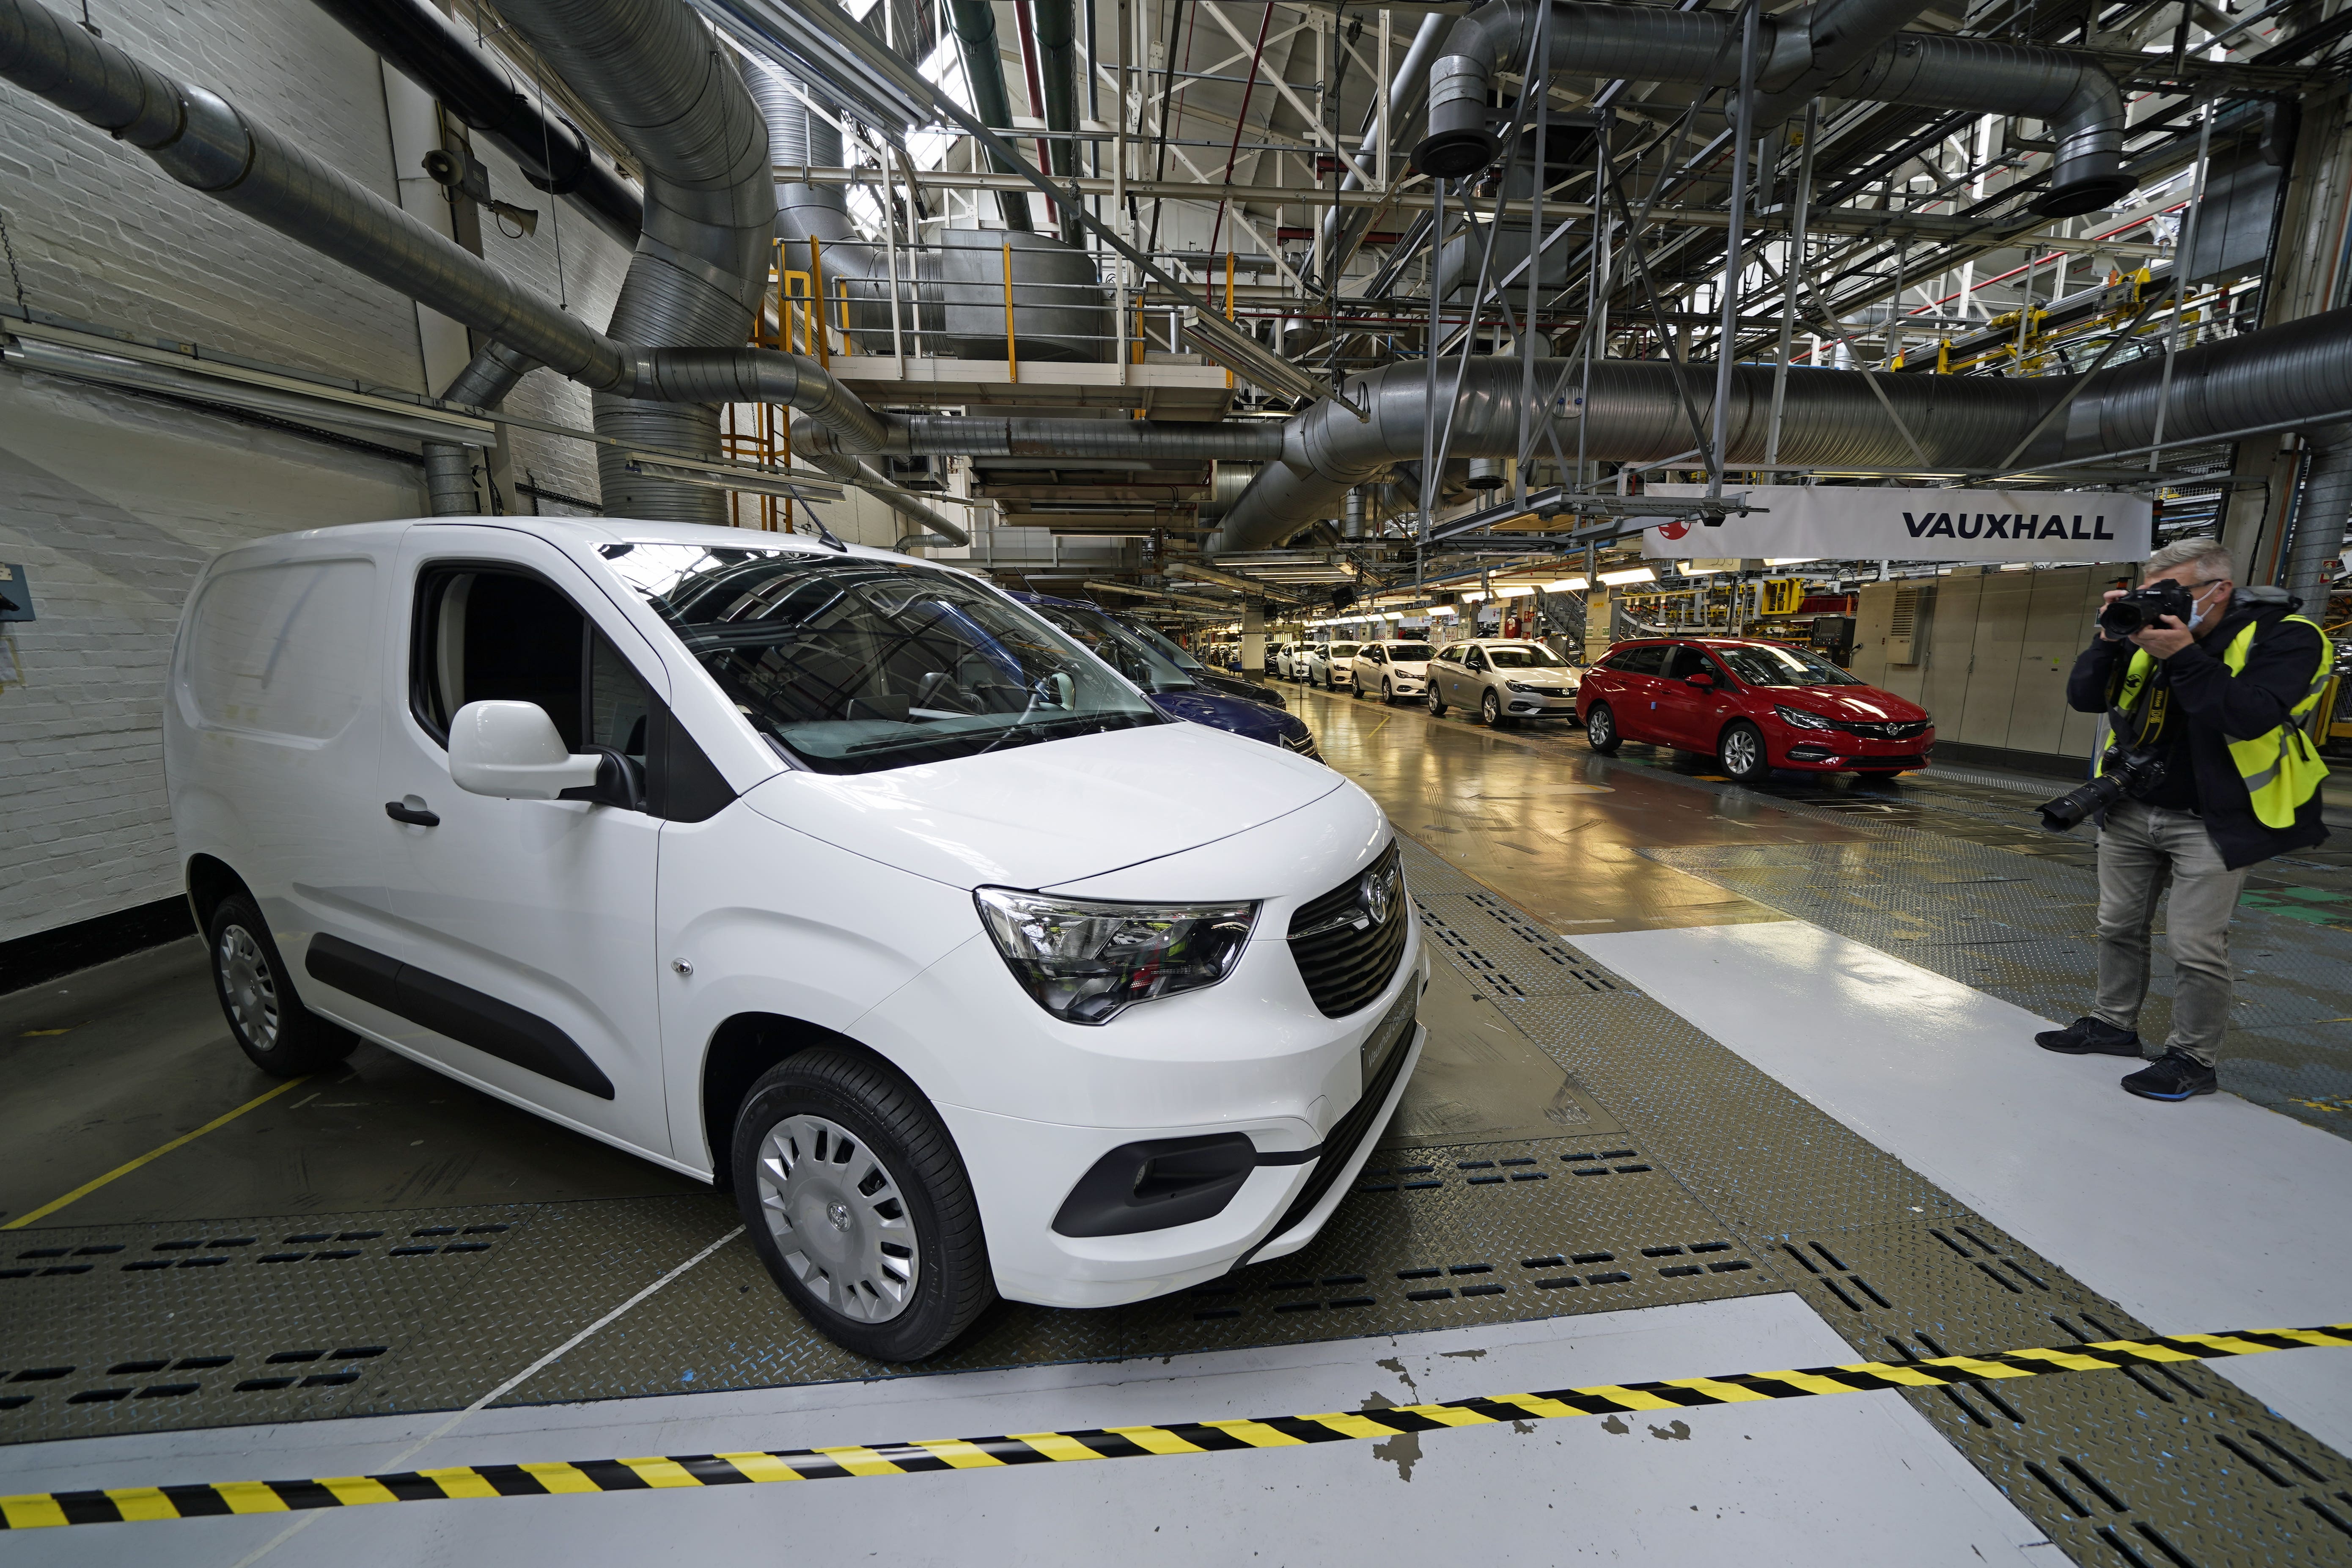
<point>852,665</point>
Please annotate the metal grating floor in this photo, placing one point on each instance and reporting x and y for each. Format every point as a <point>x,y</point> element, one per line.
<point>1641,1164</point>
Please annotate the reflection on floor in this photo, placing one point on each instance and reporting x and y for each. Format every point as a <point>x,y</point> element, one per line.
<point>1708,1137</point>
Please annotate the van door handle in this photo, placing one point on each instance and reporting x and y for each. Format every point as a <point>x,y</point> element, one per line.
<point>410,815</point>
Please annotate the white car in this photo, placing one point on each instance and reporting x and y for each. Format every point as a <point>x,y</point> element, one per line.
<point>1390,668</point>
<point>1329,664</point>
<point>828,875</point>
<point>1502,681</point>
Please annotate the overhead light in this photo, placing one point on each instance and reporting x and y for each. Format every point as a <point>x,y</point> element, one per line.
<point>1629,575</point>
<point>1473,595</point>
<point>1392,614</point>
<point>1568,585</point>
<point>144,369</point>
<point>1788,559</point>
<point>1707,568</point>
<point>1443,610</point>
<point>1514,591</point>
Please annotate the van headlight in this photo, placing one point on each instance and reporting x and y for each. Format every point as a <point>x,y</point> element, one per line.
<point>1085,961</point>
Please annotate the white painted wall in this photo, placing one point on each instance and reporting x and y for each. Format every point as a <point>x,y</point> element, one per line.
<point>112,502</point>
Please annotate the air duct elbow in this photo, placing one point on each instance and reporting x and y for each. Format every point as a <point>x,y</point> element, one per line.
<point>1460,140</point>
<point>757,375</point>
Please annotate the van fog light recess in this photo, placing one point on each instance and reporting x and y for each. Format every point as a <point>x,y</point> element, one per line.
<point>1156,1185</point>
<point>1087,961</point>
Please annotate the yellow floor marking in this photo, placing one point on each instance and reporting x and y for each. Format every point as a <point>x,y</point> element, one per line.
<point>663,1472</point>
<point>1975,1368</point>
<point>1625,1398</point>
<point>2067,1359</point>
<point>462,1482</point>
<point>1156,1440</point>
<point>1730,1393</point>
<point>1054,1445</point>
<point>860,1461</point>
<point>1256,1434</point>
<point>54,1205</point>
<point>565,1478</point>
<point>2223,1342</point>
<point>142,1503</point>
<point>250,1497</point>
<point>1449,1417</point>
<point>1545,1409</point>
<point>1351,1424</point>
<point>37,1511</point>
<point>38,1034</point>
<point>1812,1383</point>
<point>2306,1336</point>
<point>353,1490</point>
<point>1901,1373</point>
<point>958,1453</point>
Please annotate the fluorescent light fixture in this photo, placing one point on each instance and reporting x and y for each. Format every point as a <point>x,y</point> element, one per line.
<point>1443,610</point>
<point>1514,591</point>
<point>1704,568</point>
<point>1392,614</point>
<point>1474,595</point>
<point>1629,575</point>
<point>136,366</point>
<point>1788,559</point>
<point>1568,585</point>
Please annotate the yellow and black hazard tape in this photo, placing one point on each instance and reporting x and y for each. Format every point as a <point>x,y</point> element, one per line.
<point>120,1504</point>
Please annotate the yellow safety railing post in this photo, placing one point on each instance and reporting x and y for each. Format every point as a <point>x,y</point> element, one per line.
<point>1012,354</point>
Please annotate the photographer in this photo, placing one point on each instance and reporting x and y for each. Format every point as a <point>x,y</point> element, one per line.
<point>2214,774</point>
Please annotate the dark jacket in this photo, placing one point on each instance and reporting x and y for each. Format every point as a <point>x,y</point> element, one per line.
<point>2219,708</point>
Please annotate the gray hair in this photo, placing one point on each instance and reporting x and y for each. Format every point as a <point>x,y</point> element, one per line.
<point>2211,554</point>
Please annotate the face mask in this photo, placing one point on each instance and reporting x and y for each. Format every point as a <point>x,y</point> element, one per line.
<point>2197,611</point>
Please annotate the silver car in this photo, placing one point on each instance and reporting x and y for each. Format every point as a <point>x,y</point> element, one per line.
<point>1503,680</point>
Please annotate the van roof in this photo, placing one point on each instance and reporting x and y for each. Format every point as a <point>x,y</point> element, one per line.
<point>595,531</point>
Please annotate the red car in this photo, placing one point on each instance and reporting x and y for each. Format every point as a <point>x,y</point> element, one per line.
<point>1755,705</point>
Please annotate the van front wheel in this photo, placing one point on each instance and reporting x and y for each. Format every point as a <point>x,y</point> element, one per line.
<point>856,1200</point>
<point>277,1033</point>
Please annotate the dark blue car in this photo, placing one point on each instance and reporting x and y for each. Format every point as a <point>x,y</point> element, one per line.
<point>1172,690</point>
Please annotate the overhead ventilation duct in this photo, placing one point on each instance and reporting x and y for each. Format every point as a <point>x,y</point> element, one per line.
<point>983,69</point>
<point>422,43</point>
<point>2065,87</point>
<point>1344,227</point>
<point>1057,64</point>
<point>207,145</point>
<point>2320,520</point>
<point>652,71</point>
<point>952,294</point>
<point>1832,418</point>
<point>485,382</point>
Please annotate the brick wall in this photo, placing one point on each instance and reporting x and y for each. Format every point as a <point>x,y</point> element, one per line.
<point>112,502</point>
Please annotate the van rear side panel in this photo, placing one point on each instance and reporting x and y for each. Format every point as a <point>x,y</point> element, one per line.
<point>272,726</point>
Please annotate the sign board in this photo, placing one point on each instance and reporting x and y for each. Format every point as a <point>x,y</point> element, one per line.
<point>1841,523</point>
<point>15,594</point>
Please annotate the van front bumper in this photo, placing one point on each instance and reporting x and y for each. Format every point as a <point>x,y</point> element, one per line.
<point>1024,1170</point>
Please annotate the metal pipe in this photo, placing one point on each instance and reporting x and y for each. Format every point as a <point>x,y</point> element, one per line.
<point>2320,517</point>
<point>422,43</point>
<point>1344,228</point>
<point>1057,60</point>
<point>2291,374</point>
<point>651,71</point>
<point>983,68</point>
<point>2067,88</point>
<point>448,469</point>
<point>1743,121</point>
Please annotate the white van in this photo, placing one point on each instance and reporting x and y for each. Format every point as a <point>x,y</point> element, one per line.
<point>823,874</point>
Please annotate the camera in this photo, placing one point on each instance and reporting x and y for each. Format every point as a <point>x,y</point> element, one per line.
<point>2145,606</point>
<point>2124,773</point>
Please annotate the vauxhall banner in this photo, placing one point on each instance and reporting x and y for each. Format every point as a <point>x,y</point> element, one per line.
<point>1854,524</point>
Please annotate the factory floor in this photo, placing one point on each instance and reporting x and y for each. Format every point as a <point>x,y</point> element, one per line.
<point>1719,1082</point>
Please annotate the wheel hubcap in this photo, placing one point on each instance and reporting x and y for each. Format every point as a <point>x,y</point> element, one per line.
<point>1492,707</point>
<point>1599,727</point>
<point>837,1216</point>
<point>251,989</point>
<point>1739,750</point>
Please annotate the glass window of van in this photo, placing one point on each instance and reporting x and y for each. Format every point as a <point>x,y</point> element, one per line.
<point>854,665</point>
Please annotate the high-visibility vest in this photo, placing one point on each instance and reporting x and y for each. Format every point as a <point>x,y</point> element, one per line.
<point>2282,767</point>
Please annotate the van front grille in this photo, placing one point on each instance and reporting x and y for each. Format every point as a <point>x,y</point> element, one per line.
<point>1346,958</point>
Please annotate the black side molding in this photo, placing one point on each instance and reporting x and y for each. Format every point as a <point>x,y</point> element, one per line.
<point>468,1017</point>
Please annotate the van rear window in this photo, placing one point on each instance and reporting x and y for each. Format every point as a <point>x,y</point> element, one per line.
<point>283,649</point>
<point>854,665</point>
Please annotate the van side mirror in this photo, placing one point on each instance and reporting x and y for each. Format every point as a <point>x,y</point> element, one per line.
<point>511,749</point>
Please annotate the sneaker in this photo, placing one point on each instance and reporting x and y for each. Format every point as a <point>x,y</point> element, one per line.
<point>2091,1038</point>
<point>2172,1076</point>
